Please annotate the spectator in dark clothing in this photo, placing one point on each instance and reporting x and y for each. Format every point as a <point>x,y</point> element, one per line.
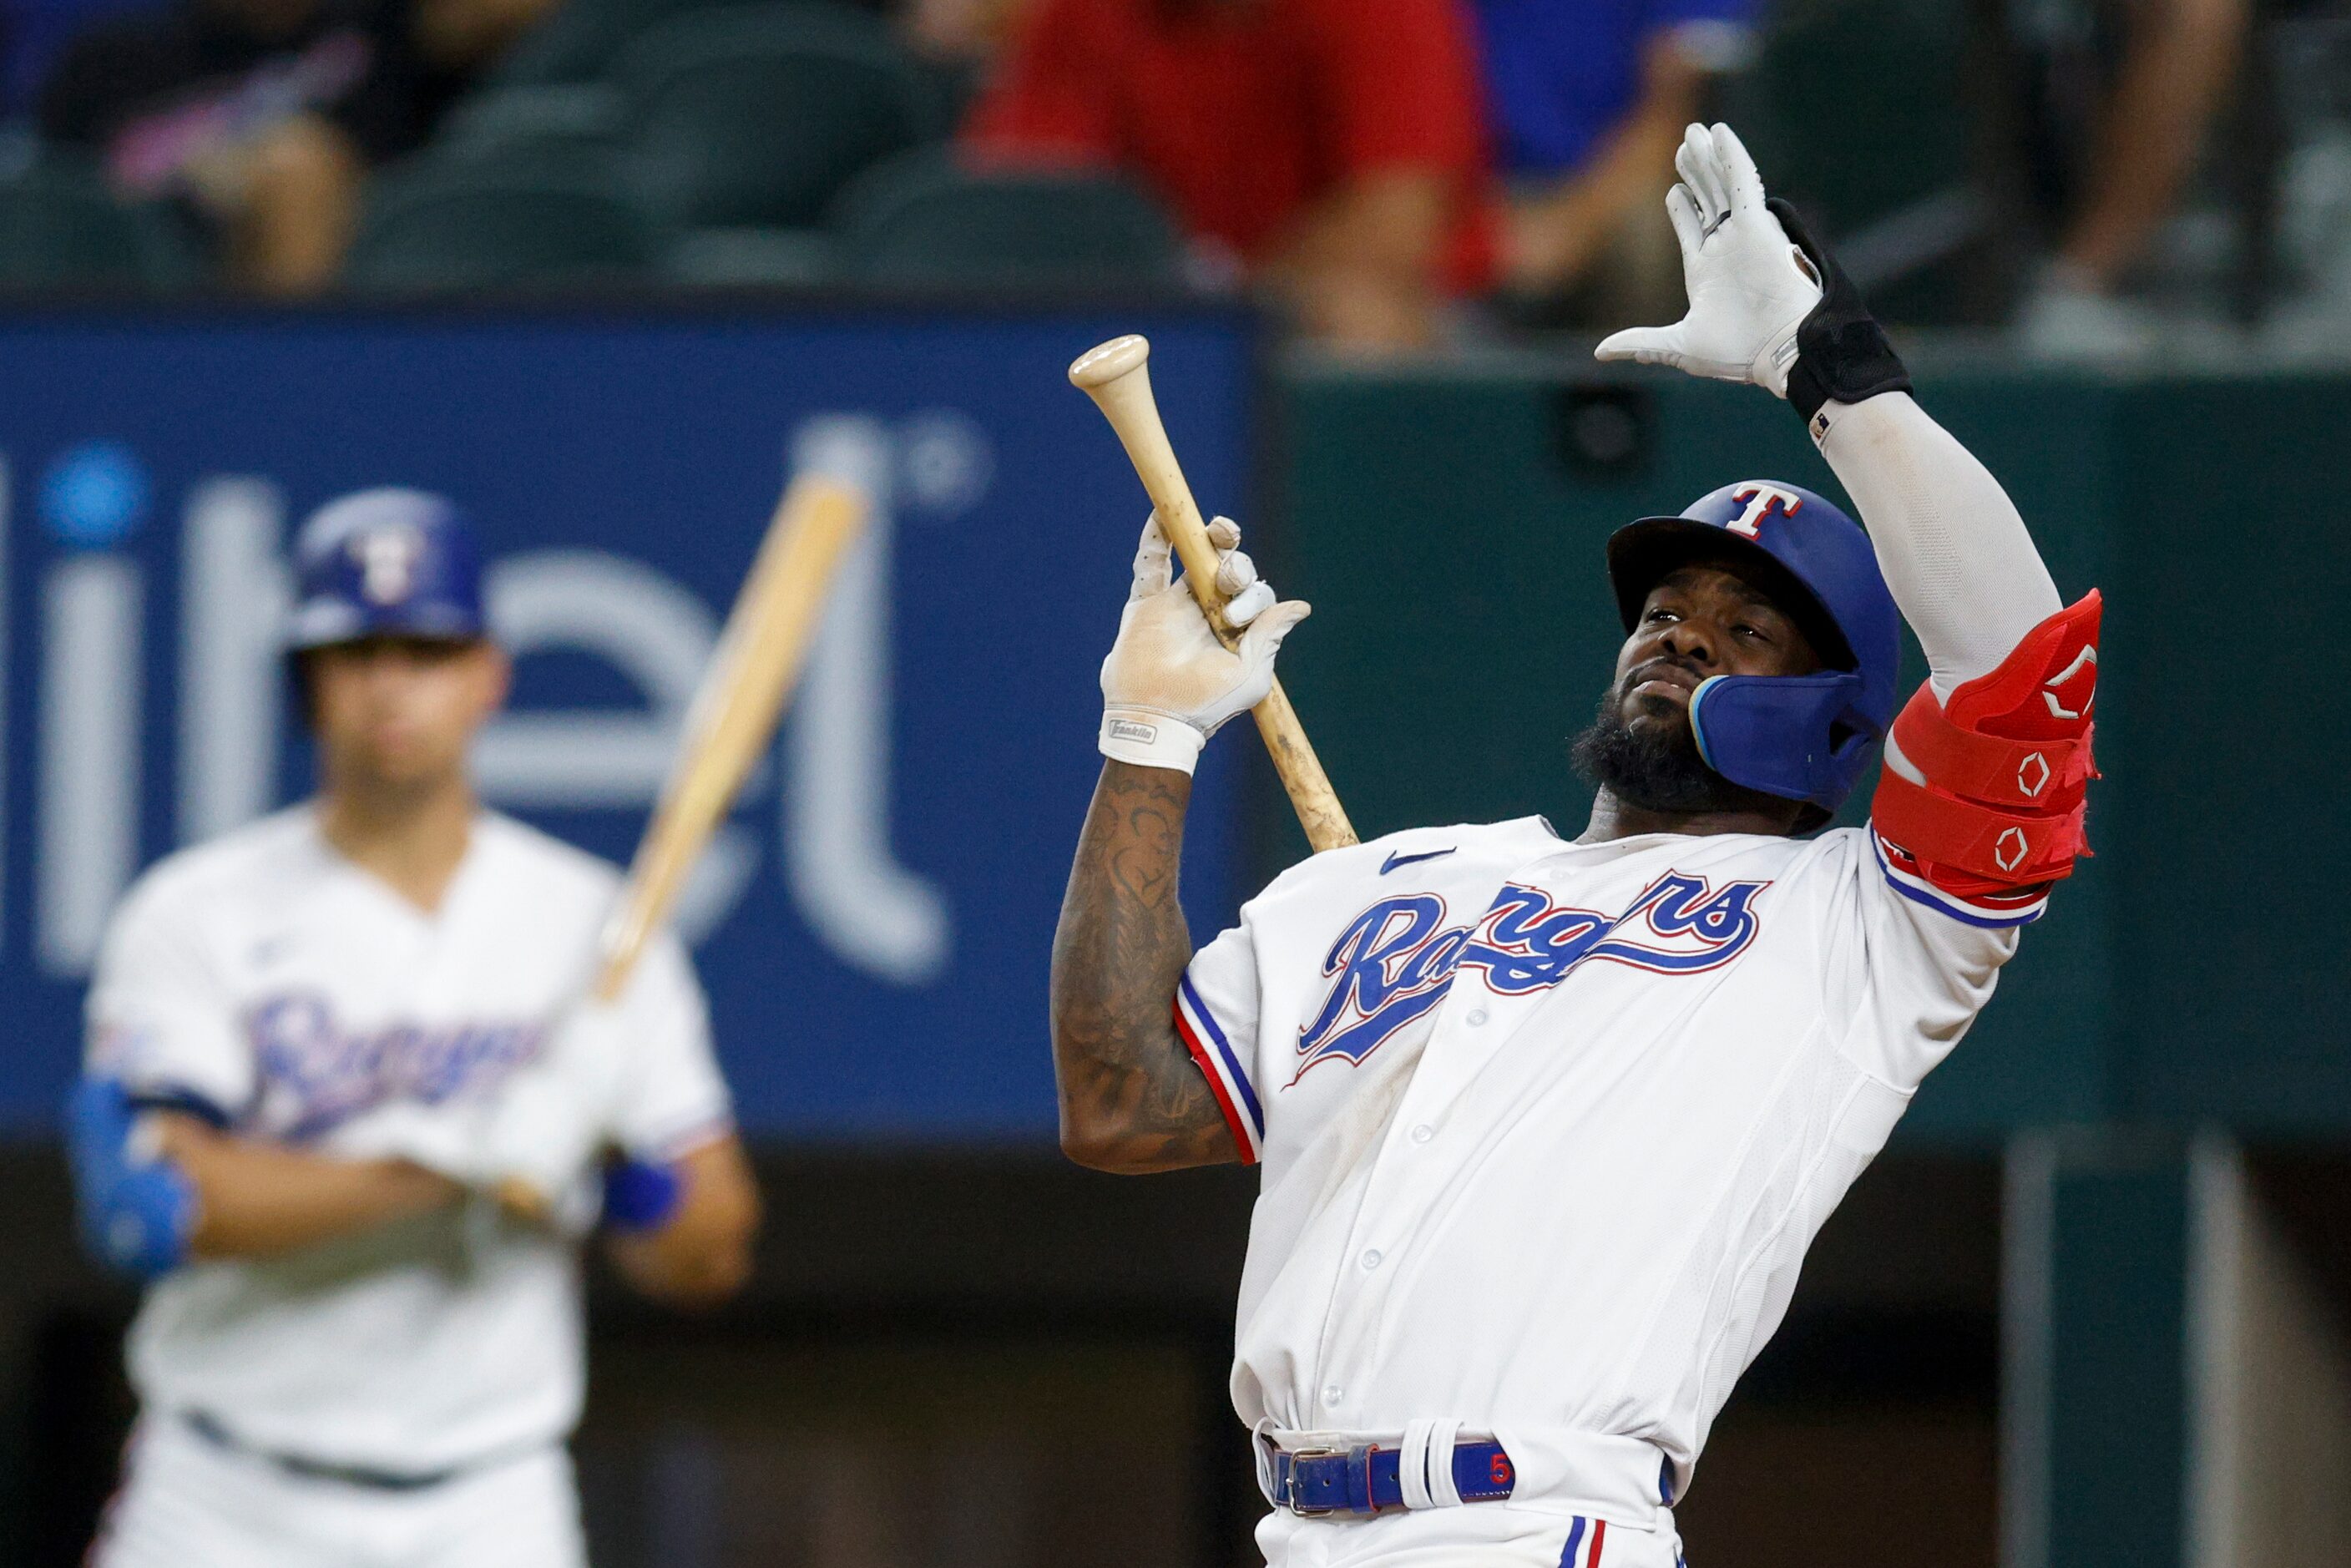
<point>1588,99</point>
<point>1330,150</point>
<point>266,114</point>
<point>34,34</point>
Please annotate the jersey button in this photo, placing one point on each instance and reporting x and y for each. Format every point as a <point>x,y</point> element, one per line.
<point>1372,1259</point>
<point>1332,1395</point>
<point>1476,1017</point>
<point>1423,1132</point>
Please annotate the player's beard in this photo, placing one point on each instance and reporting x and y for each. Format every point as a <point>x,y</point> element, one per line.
<point>1655,768</point>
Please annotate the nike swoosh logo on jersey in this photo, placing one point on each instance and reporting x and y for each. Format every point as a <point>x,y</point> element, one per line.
<point>1394,860</point>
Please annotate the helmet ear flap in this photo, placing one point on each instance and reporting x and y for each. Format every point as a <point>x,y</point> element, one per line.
<point>1743,725</point>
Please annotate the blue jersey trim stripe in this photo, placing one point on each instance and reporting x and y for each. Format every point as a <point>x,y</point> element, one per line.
<point>1224,1053</point>
<point>184,1101</point>
<point>1959,909</point>
<point>1213,1068</point>
<point>1574,1541</point>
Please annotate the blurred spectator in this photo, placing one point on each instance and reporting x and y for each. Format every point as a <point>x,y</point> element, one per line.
<point>264,115</point>
<point>958,40</point>
<point>1588,99</point>
<point>1332,149</point>
<point>971,30</point>
<point>2124,92</point>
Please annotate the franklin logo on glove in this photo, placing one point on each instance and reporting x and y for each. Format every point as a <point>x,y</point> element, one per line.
<point>1168,684</point>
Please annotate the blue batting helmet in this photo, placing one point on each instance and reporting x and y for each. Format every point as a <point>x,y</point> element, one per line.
<point>1802,738</point>
<point>386,562</point>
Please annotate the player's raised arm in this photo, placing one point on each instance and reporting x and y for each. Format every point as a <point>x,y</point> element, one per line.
<point>1132,1099</point>
<point>1986,768</point>
<point>1769,305</point>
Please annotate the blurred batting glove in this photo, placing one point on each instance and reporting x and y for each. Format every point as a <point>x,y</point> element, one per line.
<point>1750,287</point>
<point>546,1125</point>
<point>1169,684</point>
<point>531,1141</point>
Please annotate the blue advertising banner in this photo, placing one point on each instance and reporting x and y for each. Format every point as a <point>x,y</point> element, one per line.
<point>872,923</point>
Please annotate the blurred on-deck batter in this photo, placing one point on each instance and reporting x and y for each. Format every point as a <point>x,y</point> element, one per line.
<point>316,1046</point>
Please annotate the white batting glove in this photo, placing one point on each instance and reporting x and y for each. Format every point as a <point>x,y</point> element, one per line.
<point>1750,287</point>
<point>537,1134</point>
<point>1169,683</point>
<point>546,1125</point>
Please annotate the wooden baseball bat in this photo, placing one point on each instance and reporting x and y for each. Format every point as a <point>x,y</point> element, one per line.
<point>728,724</point>
<point>1117,376</point>
<point>735,710</point>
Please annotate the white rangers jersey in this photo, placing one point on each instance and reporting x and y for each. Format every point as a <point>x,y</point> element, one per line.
<point>1546,1127</point>
<point>265,979</point>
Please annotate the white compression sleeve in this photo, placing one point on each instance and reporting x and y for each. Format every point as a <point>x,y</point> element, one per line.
<point>1952,547</point>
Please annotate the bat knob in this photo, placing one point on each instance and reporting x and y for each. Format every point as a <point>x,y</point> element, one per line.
<point>1106,362</point>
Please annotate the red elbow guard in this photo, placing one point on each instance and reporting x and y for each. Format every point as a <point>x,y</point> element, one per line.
<point>2007,767</point>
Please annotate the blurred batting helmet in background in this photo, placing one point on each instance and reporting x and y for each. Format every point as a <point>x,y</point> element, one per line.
<point>386,563</point>
<point>1802,738</point>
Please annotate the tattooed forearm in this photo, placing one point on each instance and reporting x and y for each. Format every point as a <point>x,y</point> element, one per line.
<point>1132,1099</point>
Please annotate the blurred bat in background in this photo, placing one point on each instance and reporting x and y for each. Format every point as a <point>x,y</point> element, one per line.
<point>736,709</point>
<point>727,726</point>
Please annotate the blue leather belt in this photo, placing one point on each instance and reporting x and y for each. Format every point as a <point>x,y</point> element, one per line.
<point>1364,1480</point>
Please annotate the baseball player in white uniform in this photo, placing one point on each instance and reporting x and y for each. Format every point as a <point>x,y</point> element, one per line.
<point>316,1046</point>
<point>1545,1123</point>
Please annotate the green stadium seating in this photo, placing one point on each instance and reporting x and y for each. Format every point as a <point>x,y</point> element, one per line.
<point>581,38</point>
<point>759,114</point>
<point>920,220</point>
<point>62,228</point>
<point>537,216</point>
<point>585,114</point>
<point>752,258</point>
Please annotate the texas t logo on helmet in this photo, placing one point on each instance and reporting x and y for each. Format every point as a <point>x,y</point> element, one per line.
<point>1759,499</point>
<point>1802,738</point>
<point>386,562</point>
<point>387,558</point>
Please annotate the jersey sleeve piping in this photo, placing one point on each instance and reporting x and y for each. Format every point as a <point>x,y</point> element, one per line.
<point>694,1136</point>
<point>1990,912</point>
<point>1213,1052</point>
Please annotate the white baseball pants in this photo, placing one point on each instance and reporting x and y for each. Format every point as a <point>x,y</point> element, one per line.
<point>188,1504</point>
<point>1475,1535</point>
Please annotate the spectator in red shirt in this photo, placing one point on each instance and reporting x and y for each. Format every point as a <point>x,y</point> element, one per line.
<point>1332,148</point>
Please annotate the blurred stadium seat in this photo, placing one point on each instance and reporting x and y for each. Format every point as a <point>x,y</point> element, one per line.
<point>920,219</point>
<point>1898,74</point>
<point>760,114</point>
<point>534,213</point>
<point>736,257</point>
<point>580,38</point>
<point>589,114</point>
<point>61,227</point>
